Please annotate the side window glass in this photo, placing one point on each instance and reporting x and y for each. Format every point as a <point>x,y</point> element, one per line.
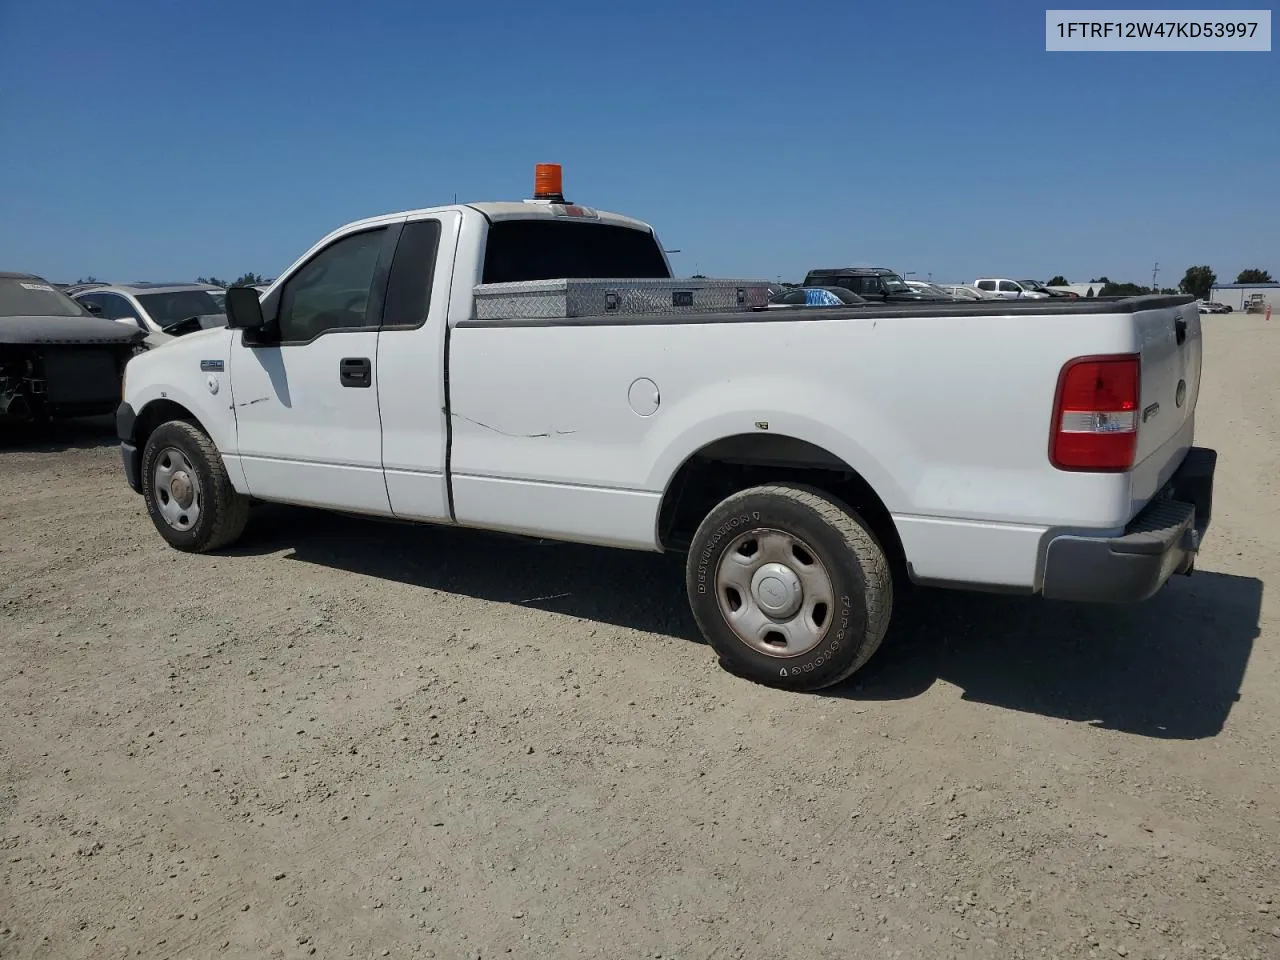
<point>988,285</point>
<point>412,271</point>
<point>112,306</point>
<point>332,290</point>
<point>118,308</point>
<point>1008,286</point>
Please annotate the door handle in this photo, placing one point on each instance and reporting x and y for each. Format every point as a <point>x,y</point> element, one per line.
<point>1180,330</point>
<point>355,372</point>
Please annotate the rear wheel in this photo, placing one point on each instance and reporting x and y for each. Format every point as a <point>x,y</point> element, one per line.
<point>789,587</point>
<point>188,492</point>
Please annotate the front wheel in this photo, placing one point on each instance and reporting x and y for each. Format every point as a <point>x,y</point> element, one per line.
<point>789,587</point>
<point>188,492</point>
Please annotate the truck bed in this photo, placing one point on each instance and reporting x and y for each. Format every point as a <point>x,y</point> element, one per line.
<point>944,409</point>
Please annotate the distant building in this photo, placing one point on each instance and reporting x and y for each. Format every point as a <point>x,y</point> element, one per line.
<point>1236,295</point>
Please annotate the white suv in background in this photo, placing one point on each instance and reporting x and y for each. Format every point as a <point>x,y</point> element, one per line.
<point>162,310</point>
<point>1009,289</point>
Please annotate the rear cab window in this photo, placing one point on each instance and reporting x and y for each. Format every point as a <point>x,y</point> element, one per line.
<point>545,249</point>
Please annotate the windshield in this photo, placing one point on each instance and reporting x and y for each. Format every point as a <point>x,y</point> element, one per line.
<point>167,309</point>
<point>1034,285</point>
<point>29,297</point>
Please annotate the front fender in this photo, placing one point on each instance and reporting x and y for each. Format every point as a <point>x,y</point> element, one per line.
<point>191,372</point>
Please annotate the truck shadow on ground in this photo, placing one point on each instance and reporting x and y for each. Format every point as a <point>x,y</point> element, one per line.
<point>86,433</point>
<point>1170,668</point>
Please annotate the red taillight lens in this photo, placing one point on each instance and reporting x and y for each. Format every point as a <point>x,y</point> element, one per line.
<point>1095,415</point>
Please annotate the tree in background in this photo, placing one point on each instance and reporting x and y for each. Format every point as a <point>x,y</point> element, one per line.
<point>1198,281</point>
<point>1254,275</point>
<point>1102,280</point>
<point>1123,290</point>
<point>89,279</point>
<point>211,280</point>
<point>248,280</point>
<point>1058,281</point>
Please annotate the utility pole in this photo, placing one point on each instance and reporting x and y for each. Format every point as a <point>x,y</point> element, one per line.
<point>1155,272</point>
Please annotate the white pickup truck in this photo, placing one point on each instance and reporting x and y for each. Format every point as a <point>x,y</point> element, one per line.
<point>805,459</point>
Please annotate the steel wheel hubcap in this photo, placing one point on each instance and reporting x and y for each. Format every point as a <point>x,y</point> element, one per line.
<point>177,489</point>
<point>774,592</point>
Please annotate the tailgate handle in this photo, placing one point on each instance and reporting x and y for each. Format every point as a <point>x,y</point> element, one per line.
<point>1180,330</point>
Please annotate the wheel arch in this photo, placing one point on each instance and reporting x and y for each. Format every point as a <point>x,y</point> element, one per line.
<point>736,462</point>
<point>158,411</point>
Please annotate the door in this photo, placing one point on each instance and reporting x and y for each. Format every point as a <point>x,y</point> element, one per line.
<point>306,395</point>
<point>1010,290</point>
<point>411,388</point>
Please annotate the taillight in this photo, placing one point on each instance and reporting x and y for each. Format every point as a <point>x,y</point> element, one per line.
<point>1095,414</point>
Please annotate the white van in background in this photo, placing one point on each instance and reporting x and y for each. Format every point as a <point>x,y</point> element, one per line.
<point>1009,289</point>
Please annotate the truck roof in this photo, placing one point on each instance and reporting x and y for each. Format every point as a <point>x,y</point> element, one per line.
<point>513,210</point>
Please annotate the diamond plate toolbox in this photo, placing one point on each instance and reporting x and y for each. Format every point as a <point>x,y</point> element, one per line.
<point>559,299</point>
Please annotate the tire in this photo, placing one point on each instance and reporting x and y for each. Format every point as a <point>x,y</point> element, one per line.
<point>810,536</point>
<point>215,515</point>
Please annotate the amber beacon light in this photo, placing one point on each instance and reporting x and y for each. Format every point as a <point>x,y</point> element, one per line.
<point>548,182</point>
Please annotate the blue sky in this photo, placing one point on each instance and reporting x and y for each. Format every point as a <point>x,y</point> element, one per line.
<point>166,140</point>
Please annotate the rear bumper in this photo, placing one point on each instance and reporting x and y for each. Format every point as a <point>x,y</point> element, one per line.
<point>1162,540</point>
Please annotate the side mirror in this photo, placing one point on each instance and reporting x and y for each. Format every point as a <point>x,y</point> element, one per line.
<point>244,309</point>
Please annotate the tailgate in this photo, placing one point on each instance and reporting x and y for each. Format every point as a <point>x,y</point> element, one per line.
<point>1172,349</point>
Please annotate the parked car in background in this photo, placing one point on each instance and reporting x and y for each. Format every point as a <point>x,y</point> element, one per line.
<point>931,289</point>
<point>964,292</point>
<point>1212,306</point>
<point>162,310</point>
<point>871,283</point>
<point>72,289</point>
<point>1036,286</point>
<point>1008,289</point>
<point>56,358</point>
<point>814,297</point>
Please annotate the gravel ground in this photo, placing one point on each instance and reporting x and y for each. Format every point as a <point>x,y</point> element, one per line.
<point>349,738</point>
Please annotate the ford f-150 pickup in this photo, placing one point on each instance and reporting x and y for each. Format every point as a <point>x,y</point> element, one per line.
<point>805,459</point>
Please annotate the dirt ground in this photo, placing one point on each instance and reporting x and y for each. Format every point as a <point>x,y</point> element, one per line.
<point>347,738</point>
